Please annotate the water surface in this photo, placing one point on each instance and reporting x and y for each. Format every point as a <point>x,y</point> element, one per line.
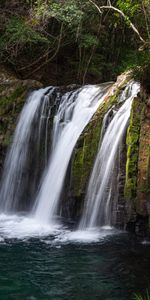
<point>64,265</point>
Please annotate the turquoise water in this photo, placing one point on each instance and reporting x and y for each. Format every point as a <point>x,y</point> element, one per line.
<point>46,268</point>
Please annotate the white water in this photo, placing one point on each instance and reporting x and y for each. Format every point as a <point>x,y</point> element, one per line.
<point>74,113</point>
<point>73,110</point>
<point>97,210</point>
<point>16,159</point>
<point>24,228</point>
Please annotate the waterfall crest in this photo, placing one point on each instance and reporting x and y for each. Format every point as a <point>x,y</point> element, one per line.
<point>97,209</point>
<point>74,113</point>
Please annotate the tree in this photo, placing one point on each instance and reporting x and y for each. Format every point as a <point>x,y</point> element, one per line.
<point>93,40</point>
<point>115,9</point>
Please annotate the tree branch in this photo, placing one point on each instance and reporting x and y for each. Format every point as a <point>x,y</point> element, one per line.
<point>121,13</point>
<point>53,56</point>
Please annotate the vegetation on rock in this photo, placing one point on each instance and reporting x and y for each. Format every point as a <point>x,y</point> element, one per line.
<point>86,41</point>
<point>86,148</point>
<point>12,97</point>
<point>143,188</point>
<point>132,142</point>
<point>140,297</point>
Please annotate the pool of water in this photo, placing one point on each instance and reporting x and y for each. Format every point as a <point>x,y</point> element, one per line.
<point>64,265</point>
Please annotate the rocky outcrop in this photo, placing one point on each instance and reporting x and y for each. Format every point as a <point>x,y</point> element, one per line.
<point>132,142</point>
<point>143,187</point>
<point>137,186</point>
<point>143,180</point>
<point>133,165</point>
<point>87,146</point>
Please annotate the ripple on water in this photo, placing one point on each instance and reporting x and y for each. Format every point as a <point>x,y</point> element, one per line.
<point>41,262</point>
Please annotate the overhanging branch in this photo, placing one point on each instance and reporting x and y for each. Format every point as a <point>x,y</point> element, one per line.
<point>101,8</point>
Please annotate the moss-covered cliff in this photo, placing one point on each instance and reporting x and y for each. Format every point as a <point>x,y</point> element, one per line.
<point>137,185</point>
<point>143,187</point>
<point>137,181</point>
<point>132,141</point>
<point>87,146</point>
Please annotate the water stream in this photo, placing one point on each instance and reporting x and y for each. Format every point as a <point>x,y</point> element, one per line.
<point>75,111</point>
<point>98,210</point>
<point>40,259</point>
<point>15,175</point>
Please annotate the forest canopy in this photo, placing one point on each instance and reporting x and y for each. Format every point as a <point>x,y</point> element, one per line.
<point>91,40</point>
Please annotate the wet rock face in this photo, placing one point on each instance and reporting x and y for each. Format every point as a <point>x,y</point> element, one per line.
<point>84,156</point>
<point>119,203</point>
<point>138,194</point>
<point>133,195</point>
<point>133,206</point>
<point>143,187</point>
<point>132,150</point>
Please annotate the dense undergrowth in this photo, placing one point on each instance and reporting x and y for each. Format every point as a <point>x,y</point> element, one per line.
<point>73,37</point>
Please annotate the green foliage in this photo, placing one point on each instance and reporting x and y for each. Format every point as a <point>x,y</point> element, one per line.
<point>18,30</point>
<point>88,40</point>
<point>17,35</point>
<point>129,7</point>
<point>99,45</point>
<point>141,70</point>
<point>140,297</point>
<point>67,11</point>
<point>137,61</point>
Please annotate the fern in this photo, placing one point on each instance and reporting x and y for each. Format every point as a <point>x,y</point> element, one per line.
<point>140,297</point>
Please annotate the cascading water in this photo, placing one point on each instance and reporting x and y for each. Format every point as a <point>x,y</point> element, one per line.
<point>74,113</point>
<point>15,175</point>
<point>97,210</point>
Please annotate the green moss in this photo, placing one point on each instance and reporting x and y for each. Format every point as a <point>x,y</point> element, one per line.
<point>10,106</point>
<point>87,146</point>
<point>5,100</point>
<point>86,149</point>
<point>144,186</point>
<point>132,142</point>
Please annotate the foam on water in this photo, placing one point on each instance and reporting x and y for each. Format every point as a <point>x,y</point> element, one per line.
<point>88,236</point>
<point>20,227</point>
<point>24,228</point>
<point>2,239</point>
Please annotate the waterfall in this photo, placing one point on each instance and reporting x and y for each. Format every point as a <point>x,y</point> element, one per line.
<point>15,179</point>
<point>74,113</point>
<point>97,209</point>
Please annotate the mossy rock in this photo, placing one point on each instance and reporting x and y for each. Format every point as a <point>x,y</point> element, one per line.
<point>132,141</point>
<point>87,146</point>
<point>143,188</point>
